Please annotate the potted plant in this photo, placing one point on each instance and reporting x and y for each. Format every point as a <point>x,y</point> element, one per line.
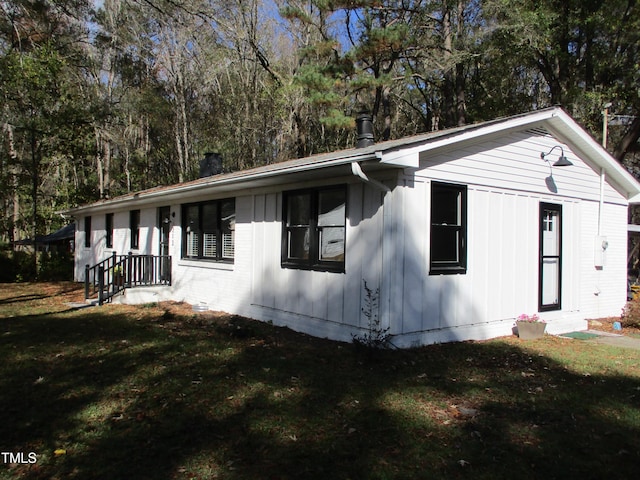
<point>118,275</point>
<point>530,326</point>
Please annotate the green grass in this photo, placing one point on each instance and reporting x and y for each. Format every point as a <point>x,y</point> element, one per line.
<point>156,392</point>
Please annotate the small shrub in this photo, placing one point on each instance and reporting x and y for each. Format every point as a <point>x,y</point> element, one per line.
<point>16,267</point>
<point>56,267</point>
<point>375,337</point>
<point>631,314</point>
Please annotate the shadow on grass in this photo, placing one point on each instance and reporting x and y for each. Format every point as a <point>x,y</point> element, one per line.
<point>22,298</point>
<point>164,396</point>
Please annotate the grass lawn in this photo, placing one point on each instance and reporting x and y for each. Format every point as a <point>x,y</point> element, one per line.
<point>157,392</point>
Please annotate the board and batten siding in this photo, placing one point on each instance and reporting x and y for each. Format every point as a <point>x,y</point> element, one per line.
<point>604,289</point>
<point>326,304</point>
<point>319,303</point>
<point>506,182</point>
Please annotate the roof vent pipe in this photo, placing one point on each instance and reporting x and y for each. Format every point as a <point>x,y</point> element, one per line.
<point>364,127</point>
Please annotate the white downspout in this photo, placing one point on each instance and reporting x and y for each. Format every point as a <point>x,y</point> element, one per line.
<point>601,204</point>
<point>599,244</point>
<point>385,274</point>
<point>357,171</point>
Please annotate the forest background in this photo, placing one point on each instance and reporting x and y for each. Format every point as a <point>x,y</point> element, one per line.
<point>99,98</point>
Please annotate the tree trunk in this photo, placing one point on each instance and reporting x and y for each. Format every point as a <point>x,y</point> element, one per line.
<point>449,108</point>
<point>99,164</point>
<point>630,138</point>
<point>106,158</point>
<point>13,179</point>
<point>461,107</point>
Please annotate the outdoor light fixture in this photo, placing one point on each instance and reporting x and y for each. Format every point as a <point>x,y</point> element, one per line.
<point>168,220</point>
<point>562,160</point>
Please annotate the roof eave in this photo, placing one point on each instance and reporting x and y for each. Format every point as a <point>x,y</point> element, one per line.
<point>564,127</point>
<point>244,179</point>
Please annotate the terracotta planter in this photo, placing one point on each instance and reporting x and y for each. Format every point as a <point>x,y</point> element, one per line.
<point>530,330</point>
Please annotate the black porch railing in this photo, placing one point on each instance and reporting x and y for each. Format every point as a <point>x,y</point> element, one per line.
<point>118,272</point>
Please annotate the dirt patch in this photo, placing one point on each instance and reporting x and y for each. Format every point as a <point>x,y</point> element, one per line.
<point>606,325</point>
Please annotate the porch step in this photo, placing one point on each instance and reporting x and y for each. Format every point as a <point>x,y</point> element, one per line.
<point>85,304</point>
<point>144,294</point>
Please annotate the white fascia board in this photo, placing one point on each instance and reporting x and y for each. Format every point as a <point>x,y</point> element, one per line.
<point>404,157</point>
<point>410,157</point>
<point>231,183</point>
<point>568,130</point>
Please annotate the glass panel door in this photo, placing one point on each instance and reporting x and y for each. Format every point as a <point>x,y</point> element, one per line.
<point>550,270</point>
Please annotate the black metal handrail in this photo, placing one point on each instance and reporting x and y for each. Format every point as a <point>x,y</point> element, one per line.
<point>118,272</point>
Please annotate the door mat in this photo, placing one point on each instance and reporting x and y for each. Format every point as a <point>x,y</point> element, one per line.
<point>580,335</point>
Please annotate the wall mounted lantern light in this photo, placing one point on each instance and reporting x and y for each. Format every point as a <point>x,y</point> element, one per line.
<point>562,160</point>
<point>168,220</point>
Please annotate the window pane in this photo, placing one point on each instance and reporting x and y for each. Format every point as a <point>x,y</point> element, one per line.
<point>550,284</point>
<point>446,206</point>
<point>209,244</point>
<point>228,245</point>
<point>228,221</point>
<point>332,244</point>
<point>191,225</point>
<point>331,208</point>
<point>87,231</point>
<point>298,209</point>
<point>109,228</point>
<point>445,244</point>
<point>191,218</point>
<point>550,233</point>
<point>299,238</point>
<point>192,244</point>
<point>134,227</point>
<point>210,217</point>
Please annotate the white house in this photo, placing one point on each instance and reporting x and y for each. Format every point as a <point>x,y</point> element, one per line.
<point>459,231</point>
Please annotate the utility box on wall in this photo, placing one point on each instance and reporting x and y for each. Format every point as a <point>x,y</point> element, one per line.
<point>600,249</point>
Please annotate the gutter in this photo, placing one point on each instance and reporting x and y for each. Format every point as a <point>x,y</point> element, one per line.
<point>169,193</point>
<point>357,171</point>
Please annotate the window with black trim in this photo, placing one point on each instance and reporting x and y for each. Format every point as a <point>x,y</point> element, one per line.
<point>208,230</point>
<point>108,225</point>
<point>314,227</point>
<point>134,228</point>
<point>87,232</point>
<point>448,252</point>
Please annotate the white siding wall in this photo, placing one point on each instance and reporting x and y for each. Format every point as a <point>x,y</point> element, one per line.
<point>506,183</point>
<point>320,303</point>
<point>603,290</point>
<point>513,163</point>
<point>149,239</point>
<point>219,286</point>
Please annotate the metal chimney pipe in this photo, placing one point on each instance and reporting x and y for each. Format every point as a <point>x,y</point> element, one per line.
<point>364,128</point>
<point>211,164</point>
